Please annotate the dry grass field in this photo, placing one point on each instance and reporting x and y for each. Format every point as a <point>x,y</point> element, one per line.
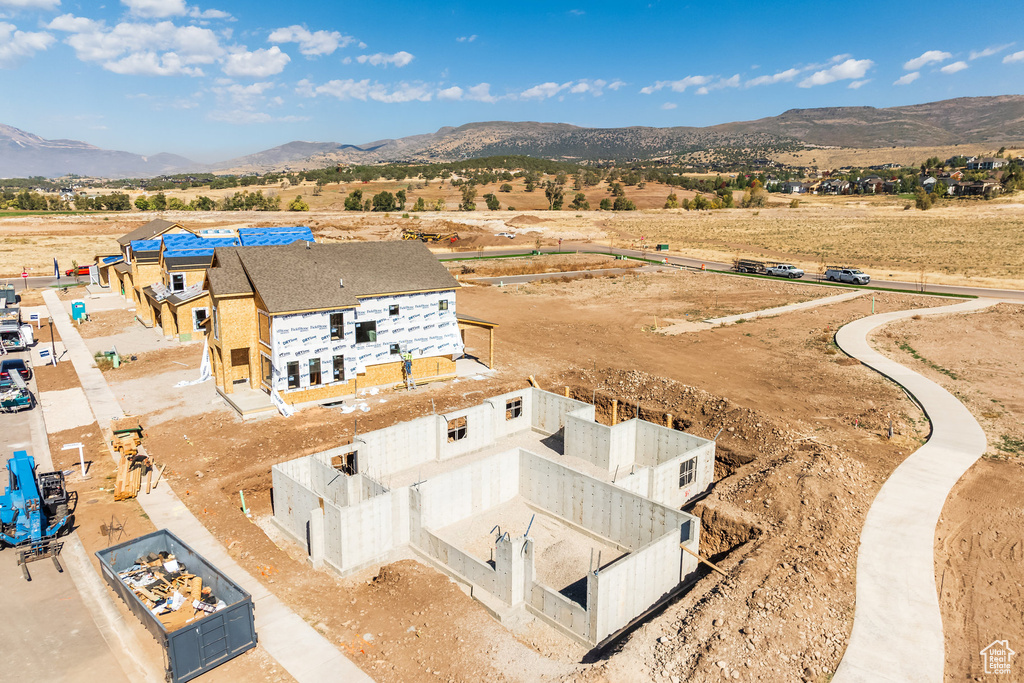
<point>958,242</point>
<point>838,157</point>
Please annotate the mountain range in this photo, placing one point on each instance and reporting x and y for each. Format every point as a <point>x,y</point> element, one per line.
<point>988,121</point>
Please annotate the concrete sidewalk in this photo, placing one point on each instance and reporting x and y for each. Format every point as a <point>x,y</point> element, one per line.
<point>297,647</point>
<point>897,628</point>
<point>697,325</point>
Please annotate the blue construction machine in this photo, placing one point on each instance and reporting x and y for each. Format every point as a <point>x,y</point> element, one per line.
<point>34,512</point>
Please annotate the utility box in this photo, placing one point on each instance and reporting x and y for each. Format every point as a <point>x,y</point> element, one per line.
<point>78,310</point>
<point>209,641</point>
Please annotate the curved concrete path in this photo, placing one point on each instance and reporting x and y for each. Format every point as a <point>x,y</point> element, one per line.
<point>897,626</point>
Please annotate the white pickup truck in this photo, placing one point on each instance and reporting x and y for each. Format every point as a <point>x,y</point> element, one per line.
<point>853,276</point>
<point>784,270</point>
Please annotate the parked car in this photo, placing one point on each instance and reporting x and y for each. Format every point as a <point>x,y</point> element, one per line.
<point>853,276</point>
<point>9,365</point>
<point>80,270</point>
<point>784,270</point>
<point>509,235</point>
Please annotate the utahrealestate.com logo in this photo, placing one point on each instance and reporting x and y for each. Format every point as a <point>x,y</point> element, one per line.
<point>997,657</point>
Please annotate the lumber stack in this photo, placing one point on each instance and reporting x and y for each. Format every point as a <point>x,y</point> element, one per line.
<point>133,463</point>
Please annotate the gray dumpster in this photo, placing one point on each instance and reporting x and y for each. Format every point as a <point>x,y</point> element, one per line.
<point>209,642</point>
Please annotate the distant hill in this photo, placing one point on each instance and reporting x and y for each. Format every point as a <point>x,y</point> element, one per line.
<point>989,121</point>
<point>985,121</point>
<point>24,155</point>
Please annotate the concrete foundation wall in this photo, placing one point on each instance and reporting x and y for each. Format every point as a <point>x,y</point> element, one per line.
<point>479,431</point>
<point>622,453</point>
<point>397,448</point>
<point>453,496</point>
<point>639,482</point>
<point>629,587</point>
<point>328,483</point>
<point>358,535</point>
<point>293,500</point>
<point>504,425</point>
<point>588,440</point>
<point>656,444</point>
<point>549,411</point>
<point>563,612</point>
<point>664,479</point>
<point>629,520</point>
<point>463,564</point>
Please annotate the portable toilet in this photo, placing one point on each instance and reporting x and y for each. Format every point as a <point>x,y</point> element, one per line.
<point>78,310</point>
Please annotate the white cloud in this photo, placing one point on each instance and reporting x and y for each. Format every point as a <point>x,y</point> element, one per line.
<point>69,23</point>
<point>349,89</point>
<point>989,51</point>
<point>677,86</point>
<point>781,77</point>
<point>907,79</point>
<point>16,45</point>
<point>245,116</point>
<point>257,64</point>
<point>855,85</point>
<point>466,39</point>
<point>926,58</point>
<point>1015,57</point>
<point>616,84</point>
<point>156,9</point>
<point>669,105</point>
<point>477,93</point>
<point>544,90</point>
<point>197,13</point>
<point>399,59</point>
<point>311,43</point>
<point>851,69</point>
<point>30,4</point>
<point>152,64</point>
<point>721,84</point>
<point>954,67</point>
<point>246,95</point>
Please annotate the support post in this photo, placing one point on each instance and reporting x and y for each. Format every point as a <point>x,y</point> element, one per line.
<point>316,537</point>
<point>615,411</point>
<point>668,420</point>
<point>567,392</point>
<point>490,353</point>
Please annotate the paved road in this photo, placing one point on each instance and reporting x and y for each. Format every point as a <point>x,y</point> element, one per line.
<point>897,627</point>
<point>48,631</point>
<point>717,265</point>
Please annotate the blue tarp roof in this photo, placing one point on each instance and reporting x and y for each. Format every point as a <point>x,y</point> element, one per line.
<point>252,237</point>
<point>145,245</point>
<point>110,259</point>
<point>189,241</point>
<point>173,253</point>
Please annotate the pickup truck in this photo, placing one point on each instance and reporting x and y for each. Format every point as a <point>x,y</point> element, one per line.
<point>853,276</point>
<point>784,270</point>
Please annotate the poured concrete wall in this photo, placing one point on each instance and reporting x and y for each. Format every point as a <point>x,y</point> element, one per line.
<point>359,535</point>
<point>606,510</point>
<point>328,483</point>
<point>503,426</point>
<point>549,411</point>
<point>293,499</point>
<point>559,611</point>
<point>588,440</point>
<point>656,444</point>
<point>453,496</point>
<point>393,449</point>
<point>479,431</point>
<point>664,479</point>
<point>463,564</point>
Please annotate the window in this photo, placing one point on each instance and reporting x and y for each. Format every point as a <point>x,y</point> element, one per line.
<point>177,282</point>
<point>456,429</point>
<point>293,374</point>
<point>266,370</point>
<point>395,349</point>
<point>239,357</point>
<point>264,328</point>
<point>199,318</point>
<point>687,472</point>
<point>337,326</point>
<point>339,368</point>
<point>514,408</point>
<point>366,332</point>
<point>442,305</point>
<point>347,463</point>
<point>216,324</point>
<point>314,372</point>
<point>393,309</point>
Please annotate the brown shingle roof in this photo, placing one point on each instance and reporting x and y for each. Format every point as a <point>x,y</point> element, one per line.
<point>296,278</point>
<point>227,277</point>
<point>148,231</point>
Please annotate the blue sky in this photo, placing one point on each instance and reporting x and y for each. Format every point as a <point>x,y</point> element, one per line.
<point>229,78</point>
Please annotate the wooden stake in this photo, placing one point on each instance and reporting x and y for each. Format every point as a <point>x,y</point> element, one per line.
<point>615,411</point>
<point>534,382</point>
<point>159,472</point>
<point>668,420</point>
<point>707,562</point>
<point>567,392</point>
<point>149,479</point>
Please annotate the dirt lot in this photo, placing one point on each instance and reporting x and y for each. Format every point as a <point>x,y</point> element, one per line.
<point>796,475</point>
<point>979,543</point>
